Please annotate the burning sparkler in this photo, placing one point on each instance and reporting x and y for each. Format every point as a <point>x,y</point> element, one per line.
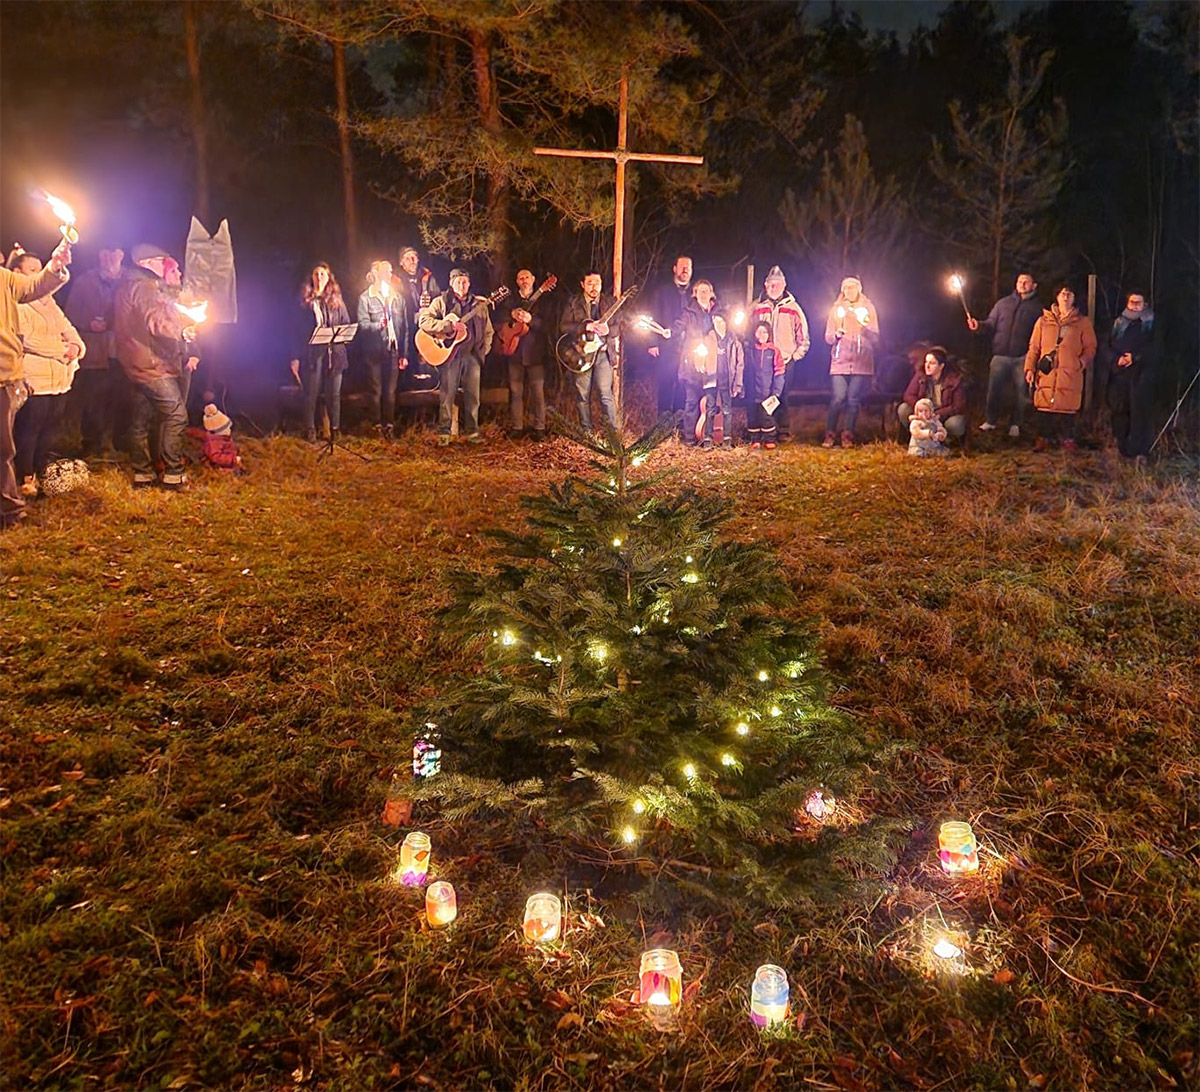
<point>956,284</point>
<point>66,217</point>
<point>197,312</point>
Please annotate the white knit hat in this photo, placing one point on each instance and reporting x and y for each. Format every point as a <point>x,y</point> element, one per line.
<point>215,421</point>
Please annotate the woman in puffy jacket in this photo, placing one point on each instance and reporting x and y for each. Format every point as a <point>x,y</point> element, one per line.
<point>53,349</point>
<point>1061,347</point>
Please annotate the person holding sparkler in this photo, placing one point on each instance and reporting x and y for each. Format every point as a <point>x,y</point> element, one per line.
<point>150,327</point>
<point>1010,321</point>
<point>853,331</point>
<point>53,350</point>
<point>789,335</point>
<point>383,328</point>
<point>17,288</point>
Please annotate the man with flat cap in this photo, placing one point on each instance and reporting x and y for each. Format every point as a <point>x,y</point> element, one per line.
<point>150,331</point>
<point>456,312</point>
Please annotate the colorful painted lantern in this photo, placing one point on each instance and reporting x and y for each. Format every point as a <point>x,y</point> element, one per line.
<point>661,980</point>
<point>543,918</point>
<point>414,859</point>
<point>769,996</point>
<point>441,904</point>
<point>957,849</point>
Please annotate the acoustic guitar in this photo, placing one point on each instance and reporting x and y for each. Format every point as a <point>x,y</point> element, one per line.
<point>511,331</point>
<point>702,358</point>
<point>577,354</point>
<point>436,350</point>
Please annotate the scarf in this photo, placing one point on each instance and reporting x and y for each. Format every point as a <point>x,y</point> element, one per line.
<point>1127,318</point>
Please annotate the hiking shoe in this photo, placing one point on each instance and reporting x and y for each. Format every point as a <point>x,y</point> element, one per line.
<point>176,483</point>
<point>1014,432</point>
<point>1041,444</point>
<point>443,439</point>
<point>987,426</point>
<point>29,487</point>
<point>847,438</point>
<point>829,441</point>
<point>144,481</point>
<point>475,438</point>
<point>755,445</point>
<point>1069,445</point>
<point>727,441</point>
<point>538,435</point>
<point>706,444</point>
<point>770,445</point>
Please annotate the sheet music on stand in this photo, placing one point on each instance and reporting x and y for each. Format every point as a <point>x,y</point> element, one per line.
<point>334,335</point>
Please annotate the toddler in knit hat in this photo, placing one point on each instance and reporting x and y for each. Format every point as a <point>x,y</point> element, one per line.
<point>220,452</point>
<point>927,434</point>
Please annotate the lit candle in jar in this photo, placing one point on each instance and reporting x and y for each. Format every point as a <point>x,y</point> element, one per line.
<point>661,980</point>
<point>769,996</point>
<point>441,904</point>
<point>414,859</point>
<point>957,849</point>
<point>543,918</point>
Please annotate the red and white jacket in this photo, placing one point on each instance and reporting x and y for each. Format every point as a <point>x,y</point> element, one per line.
<point>789,327</point>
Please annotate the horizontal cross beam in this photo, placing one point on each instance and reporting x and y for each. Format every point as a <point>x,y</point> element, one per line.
<point>621,156</point>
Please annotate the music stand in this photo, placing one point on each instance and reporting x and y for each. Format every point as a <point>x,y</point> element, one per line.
<point>329,336</point>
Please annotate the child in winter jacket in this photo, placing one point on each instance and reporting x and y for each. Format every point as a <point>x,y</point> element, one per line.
<point>220,452</point>
<point>927,435</point>
<point>764,376</point>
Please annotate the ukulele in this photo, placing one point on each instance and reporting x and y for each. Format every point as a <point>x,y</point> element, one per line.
<point>436,350</point>
<point>511,331</point>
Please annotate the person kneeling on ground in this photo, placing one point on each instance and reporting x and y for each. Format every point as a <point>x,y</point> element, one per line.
<point>927,435</point>
<point>942,383</point>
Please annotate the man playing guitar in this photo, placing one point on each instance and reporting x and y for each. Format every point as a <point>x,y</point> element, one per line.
<point>456,312</point>
<point>582,321</point>
<point>527,363</point>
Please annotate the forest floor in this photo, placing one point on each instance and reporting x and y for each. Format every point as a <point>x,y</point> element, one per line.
<point>201,713</point>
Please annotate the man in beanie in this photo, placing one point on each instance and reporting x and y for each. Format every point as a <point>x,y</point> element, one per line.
<point>17,288</point>
<point>789,335</point>
<point>149,330</point>
<point>456,312</point>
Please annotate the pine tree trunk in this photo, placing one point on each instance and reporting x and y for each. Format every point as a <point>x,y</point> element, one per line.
<point>487,98</point>
<point>199,121</point>
<point>343,124</point>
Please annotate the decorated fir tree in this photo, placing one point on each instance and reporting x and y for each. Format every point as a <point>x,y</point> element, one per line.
<point>641,689</point>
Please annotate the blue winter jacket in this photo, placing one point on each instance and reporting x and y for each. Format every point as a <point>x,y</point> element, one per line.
<point>1011,321</point>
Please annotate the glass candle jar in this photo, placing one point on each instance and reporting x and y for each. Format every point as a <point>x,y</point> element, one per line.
<point>661,979</point>
<point>769,996</point>
<point>441,904</point>
<point>957,849</point>
<point>543,918</point>
<point>414,859</point>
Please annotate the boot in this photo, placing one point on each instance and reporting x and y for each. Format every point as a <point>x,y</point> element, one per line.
<point>389,433</point>
<point>333,435</point>
<point>847,438</point>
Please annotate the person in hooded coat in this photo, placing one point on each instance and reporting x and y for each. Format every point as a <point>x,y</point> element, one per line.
<point>1061,348</point>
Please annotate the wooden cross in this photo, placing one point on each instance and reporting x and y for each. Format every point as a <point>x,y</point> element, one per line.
<point>621,155</point>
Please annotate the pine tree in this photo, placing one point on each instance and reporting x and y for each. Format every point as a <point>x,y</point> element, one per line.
<point>1008,165</point>
<point>642,693</point>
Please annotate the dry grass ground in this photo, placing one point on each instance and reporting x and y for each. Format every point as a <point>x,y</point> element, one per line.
<point>199,716</point>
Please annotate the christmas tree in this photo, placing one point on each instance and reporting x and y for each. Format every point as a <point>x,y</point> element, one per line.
<point>642,690</point>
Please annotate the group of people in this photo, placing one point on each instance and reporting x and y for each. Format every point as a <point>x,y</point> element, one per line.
<point>123,343</point>
<point>121,350</point>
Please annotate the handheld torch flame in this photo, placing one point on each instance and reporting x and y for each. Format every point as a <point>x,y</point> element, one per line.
<point>956,283</point>
<point>643,322</point>
<point>66,217</point>
<point>197,312</point>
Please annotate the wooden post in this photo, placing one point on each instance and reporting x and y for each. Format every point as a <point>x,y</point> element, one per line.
<point>621,155</point>
<point>1089,376</point>
<point>749,287</point>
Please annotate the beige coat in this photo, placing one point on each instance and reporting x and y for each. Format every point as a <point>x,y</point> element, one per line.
<point>1072,341</point>
<point>16,288</point>
<point>47,335</point>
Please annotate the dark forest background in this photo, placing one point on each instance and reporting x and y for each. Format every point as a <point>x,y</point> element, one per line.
<point>1059,138</point>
